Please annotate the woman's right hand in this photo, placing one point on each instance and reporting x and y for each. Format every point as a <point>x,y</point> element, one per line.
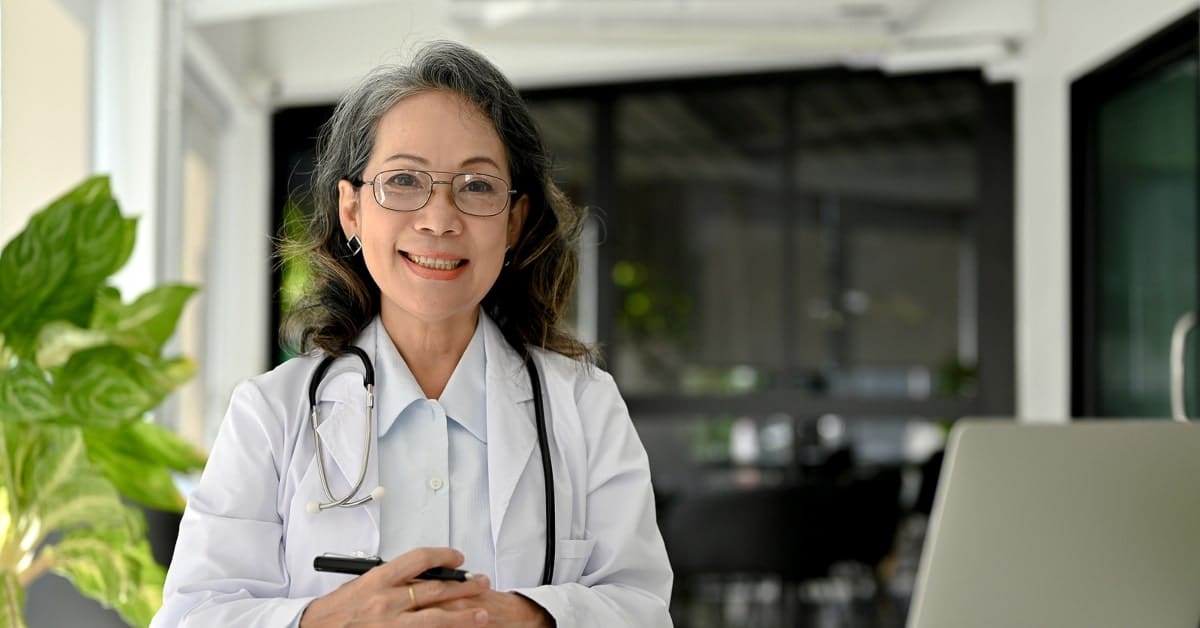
<point>388,595</point>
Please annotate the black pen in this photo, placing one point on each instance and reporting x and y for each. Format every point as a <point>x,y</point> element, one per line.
<point>358,566</point>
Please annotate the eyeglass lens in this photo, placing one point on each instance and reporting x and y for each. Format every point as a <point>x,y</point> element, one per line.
<point>409,190</point>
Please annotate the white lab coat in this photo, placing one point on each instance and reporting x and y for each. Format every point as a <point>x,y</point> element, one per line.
<point>246,542</point>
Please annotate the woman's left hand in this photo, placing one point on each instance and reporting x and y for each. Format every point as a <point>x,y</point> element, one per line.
<point>505,610</point>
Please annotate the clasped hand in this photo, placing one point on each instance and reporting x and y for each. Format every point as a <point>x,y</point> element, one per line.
<point>388,595</point>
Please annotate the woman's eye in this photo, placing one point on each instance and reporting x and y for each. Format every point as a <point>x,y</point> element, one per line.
<point>403,180</point>
<point>478,186</point>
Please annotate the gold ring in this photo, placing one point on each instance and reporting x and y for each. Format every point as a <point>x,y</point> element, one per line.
<point>412,595</point>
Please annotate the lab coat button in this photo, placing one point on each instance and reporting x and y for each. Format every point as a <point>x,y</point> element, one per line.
<point>436,484</point>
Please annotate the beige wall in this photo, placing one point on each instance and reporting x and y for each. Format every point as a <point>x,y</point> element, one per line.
<point>44,106</point>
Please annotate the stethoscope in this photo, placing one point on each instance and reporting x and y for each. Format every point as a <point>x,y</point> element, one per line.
<point>351,498</point>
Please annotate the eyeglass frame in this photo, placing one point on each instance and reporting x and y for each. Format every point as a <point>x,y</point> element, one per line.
<point>358,182</point>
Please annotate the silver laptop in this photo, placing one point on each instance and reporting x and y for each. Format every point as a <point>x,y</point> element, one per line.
<point>1089,524</point>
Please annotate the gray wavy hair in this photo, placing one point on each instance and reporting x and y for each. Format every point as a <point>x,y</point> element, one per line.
<point>528,299</point>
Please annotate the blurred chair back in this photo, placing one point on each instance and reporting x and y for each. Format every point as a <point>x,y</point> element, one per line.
<point>783,534</point>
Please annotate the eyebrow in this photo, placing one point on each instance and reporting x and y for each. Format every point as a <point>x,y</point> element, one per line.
<point>425,162</point>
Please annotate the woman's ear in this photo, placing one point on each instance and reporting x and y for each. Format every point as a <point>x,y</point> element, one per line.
<point>348,213</point>
<point>516,220</point>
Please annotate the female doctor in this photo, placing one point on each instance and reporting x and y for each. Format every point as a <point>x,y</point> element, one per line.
<point>441,249</point>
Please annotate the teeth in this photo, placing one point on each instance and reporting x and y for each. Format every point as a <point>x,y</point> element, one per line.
<point>436,263</point>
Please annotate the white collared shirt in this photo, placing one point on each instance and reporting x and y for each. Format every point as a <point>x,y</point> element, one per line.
<point>434,470</point>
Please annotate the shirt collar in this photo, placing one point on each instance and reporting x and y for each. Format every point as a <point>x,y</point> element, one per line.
<point>465,395</point>
<point>463,399</point>
<point>395,386</point>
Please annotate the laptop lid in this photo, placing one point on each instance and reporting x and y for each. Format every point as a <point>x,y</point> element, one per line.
<point>1087,524</point>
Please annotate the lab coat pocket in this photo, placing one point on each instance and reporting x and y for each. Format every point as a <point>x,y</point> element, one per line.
<point>571,556</point>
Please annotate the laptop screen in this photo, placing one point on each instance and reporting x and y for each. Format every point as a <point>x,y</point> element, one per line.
<point>1085,524</point>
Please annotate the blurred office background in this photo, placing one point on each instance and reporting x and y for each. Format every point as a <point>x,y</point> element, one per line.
<point>821,230</point>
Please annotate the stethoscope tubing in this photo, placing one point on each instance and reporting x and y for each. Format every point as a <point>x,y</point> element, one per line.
<point>539,410</point>
<point>349,500</point>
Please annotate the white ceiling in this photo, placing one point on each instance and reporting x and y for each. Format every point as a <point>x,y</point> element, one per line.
<point>297,51</point>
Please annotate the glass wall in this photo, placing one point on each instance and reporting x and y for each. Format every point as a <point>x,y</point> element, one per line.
<point>699,244</point>
<point>813,236</point>
<point>788,285</point>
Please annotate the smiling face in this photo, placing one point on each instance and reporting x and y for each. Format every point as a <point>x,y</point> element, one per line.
<point>433,265</point>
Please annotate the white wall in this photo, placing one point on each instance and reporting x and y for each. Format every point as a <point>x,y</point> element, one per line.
<point>46,138</point>
<point>44,106</point>
<point>1071,37</point>
<point>95,86</point>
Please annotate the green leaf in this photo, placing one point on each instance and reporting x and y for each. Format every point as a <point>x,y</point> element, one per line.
<point>105,386</point>
<point>107,312</point>
<point>7,357</point>
<point>147,441</point>
<point>142,326</point>
<point>30,269</point>
<point>141,479</point>
<point>12,600</point>
<point>115,569</point>
<point>56,486</point>
<point>52,269</point>
<point>137,456</point>
<point>168,374</point>
<point>148,322</point>
<point>101,241</point>
<point>59,340</point>
<point>25,395</point>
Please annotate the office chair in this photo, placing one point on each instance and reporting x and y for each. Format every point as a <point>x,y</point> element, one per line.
<point>785,535</point>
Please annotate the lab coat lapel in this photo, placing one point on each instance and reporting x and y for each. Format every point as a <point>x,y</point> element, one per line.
<point>511,432</point>
<point>343,430</point>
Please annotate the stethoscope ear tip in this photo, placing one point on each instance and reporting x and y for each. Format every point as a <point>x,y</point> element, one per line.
<point>377,493</point>
<point>313,507</point>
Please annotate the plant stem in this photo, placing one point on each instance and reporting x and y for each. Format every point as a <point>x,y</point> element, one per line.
<point>44,561</point>
<point>12,600</point>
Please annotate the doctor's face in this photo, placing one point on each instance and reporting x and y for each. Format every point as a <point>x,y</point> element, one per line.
<point>434,264</point>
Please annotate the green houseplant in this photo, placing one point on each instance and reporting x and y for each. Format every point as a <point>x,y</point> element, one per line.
<point>79,371</point>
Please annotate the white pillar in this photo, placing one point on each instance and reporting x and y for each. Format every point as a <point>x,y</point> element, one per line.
<point>237,293</point>
<point>131,61</point>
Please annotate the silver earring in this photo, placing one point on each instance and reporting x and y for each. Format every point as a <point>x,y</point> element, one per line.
<point>507,256</point>
<point>354,244</point>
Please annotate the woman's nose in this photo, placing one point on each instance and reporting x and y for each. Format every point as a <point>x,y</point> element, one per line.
<point>440,215</point>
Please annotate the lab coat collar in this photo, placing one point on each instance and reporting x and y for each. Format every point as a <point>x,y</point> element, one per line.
<point>510,422</point>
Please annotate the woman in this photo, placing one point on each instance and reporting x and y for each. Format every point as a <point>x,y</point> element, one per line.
<point>443,251</point>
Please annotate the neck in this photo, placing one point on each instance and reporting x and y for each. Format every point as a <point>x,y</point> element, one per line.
<point>431,350</point>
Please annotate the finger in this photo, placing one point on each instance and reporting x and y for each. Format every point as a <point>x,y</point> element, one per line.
<point>441,618</point>
<point>424,593</point>
<point>407,565</point>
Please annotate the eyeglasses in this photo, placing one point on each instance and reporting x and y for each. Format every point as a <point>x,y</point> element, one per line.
<point>409,190</point>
